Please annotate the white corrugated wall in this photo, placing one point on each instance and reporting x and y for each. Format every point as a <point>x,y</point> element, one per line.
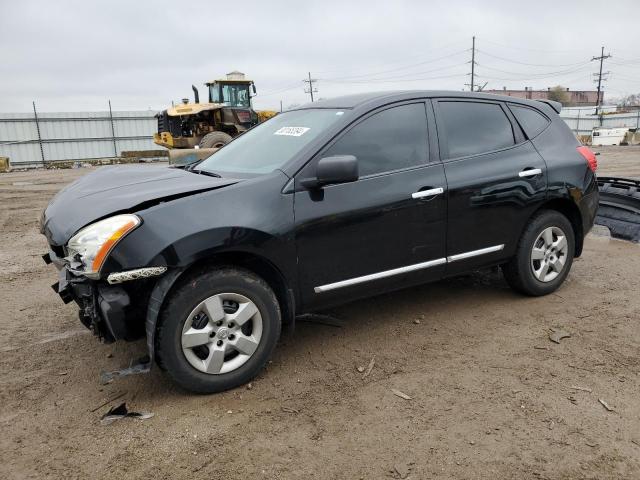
<point>583,122</point>
<point>88,135</point>
<point>74,135</point>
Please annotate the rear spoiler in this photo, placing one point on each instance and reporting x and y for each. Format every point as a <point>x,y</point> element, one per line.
<point>557,106</point>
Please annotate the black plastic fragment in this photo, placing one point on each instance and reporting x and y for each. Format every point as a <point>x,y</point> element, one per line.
<point>121,411</point>
<point>619,208</point>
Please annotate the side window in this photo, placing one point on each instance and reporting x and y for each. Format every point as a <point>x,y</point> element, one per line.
<point>390,140</point>
<point>475,127</point>
<point>531,121</point>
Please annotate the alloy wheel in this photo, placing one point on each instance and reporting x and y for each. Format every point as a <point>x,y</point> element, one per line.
<point>221,333</point>
<point>549,254</point>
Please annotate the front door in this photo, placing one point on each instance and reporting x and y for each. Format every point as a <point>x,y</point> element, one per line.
<point>383,231</point>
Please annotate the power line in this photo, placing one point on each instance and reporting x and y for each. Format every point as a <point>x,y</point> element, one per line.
<point>626,65</point>
<point>284,88</point>
<point>393,77</point>
<point>530,64</point>
<point>311,90</point>
<point>531,76</point>
<point>398,61</point>
<point>373,74</point>
<point>367,82</point>
<point>513,47</point>
<point>602,57</point>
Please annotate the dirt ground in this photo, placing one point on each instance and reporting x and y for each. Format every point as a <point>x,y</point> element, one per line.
<point>619,161</point>
<point>491,395</point>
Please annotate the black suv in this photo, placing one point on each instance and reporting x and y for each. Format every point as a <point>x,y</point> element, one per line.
<point>330,202</point>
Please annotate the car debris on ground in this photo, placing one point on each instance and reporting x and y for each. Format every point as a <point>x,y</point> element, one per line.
<point>584,389</point>
<point>558,334</point>
<point>619,207</point>
<point>141,366</point>
<point>400,394</point>
<point>120,412</point>
<point>107,402</point>
<point>372,363</point>
<point>606,405</point>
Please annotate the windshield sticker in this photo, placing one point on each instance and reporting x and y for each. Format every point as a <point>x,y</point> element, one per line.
<point>292,131</point>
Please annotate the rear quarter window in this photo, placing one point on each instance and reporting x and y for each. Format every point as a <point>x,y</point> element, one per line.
<point>531,121</point>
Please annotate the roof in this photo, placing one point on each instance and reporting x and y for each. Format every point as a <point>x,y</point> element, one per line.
<point>191,108</point>
<point>373,99</point>
<point>224,80</point>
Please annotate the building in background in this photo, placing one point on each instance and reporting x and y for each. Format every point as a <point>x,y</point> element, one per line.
<point>573,97</point>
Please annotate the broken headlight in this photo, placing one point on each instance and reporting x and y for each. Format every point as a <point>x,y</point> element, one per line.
<point>89,248</point>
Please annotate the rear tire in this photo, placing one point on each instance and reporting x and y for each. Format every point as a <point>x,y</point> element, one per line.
<point>544,255</point>
<point>215,140</point>
<point>218,330</point>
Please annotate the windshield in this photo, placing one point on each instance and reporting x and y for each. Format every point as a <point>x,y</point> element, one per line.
<point>231,95</point>
<point>271,144</point>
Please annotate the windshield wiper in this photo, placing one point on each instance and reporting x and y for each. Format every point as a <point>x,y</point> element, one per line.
<point>206,172</point>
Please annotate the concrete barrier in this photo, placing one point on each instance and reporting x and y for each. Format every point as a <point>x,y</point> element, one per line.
<point>144,153</point>
<point>187,156</point>
<point>632,138</point>
<point>5,165</point>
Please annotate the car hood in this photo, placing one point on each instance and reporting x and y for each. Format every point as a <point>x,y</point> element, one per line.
<point>118,189</point>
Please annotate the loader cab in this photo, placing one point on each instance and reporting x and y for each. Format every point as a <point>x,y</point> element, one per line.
<point>231,93</point>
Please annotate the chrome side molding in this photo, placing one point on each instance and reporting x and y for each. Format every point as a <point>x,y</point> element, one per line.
<point>376,276</point>
<point>408,268</point>
<point>474,253</point>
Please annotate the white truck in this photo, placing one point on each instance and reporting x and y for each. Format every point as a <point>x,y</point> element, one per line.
<point>608,136</point>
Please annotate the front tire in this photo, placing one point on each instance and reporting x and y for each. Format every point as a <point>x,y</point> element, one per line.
<point>218,330</point>
<point>544,255</point>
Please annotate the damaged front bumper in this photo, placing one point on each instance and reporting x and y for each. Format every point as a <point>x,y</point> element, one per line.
<point>114,309</point>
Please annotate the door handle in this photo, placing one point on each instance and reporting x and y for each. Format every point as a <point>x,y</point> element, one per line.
<point>427,193</point>
<point>531,172</point>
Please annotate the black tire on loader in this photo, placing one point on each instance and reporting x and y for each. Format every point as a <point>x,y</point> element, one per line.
<point>215,140</point>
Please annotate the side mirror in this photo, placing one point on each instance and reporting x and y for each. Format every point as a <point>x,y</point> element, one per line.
<point>253,87</point>
<point>330,170</point>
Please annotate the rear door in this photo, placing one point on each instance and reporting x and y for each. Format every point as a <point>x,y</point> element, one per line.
<point>384,231</point>
<point>496,180</point>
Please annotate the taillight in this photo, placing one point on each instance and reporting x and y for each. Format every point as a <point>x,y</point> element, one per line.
<point>590,157</point>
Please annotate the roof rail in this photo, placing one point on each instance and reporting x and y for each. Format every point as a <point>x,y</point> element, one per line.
<point>557,106</point>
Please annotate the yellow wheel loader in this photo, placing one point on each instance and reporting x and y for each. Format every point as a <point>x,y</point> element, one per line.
<point>227,113</point>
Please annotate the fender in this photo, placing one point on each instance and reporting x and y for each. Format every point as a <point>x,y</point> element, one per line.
<point>156,299</point>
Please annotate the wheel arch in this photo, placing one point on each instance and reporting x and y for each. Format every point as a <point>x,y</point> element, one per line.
<point>257,264</point>
<point>570,210</point>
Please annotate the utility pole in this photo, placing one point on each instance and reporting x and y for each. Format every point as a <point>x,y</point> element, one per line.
<point>113,131</point>
<point>602,57</point>
<point>473,66</point>
<point>35,116</point>
<point>311,89</point>
<point>473,61</point>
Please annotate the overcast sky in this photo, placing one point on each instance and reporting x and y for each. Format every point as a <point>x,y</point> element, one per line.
<point>75,55</point>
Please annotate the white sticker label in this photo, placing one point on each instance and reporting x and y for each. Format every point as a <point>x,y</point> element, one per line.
<point>292,131</point>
